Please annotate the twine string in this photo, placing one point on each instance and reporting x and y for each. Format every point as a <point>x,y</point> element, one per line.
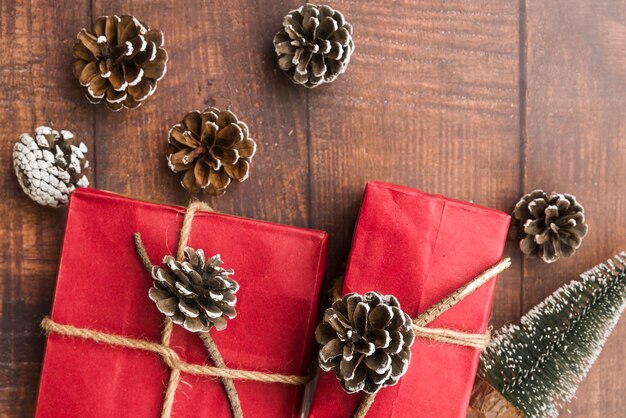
<point>214,353</point>
<point>477,341</point>
<point>448,336</point>
<point>174,379</point>
<point>185,229</point>
<point>432,313</point>
<point>227,382</point>
<point>169,355</point>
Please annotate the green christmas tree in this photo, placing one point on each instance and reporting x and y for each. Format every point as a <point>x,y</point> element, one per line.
<point>538,364</point>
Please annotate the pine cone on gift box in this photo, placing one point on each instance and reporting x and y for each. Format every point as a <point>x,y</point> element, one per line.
<point>549,226</point>
<point>50,165</point>
<point>315,45</point>
<point>119,61</point>
<point>195,294</point>
<point>211,148</point>
<point>366,340</point>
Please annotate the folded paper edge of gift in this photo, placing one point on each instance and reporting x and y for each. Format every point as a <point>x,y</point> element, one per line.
<point>82,192</point>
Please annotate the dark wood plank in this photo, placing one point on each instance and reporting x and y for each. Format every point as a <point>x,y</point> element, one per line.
<point>575,130</point>
<point>221,54</point>
<point>36,88</point>
<point>430,100</point>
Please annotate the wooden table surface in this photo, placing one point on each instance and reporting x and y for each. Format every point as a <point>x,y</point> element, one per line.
<point>479,100</point>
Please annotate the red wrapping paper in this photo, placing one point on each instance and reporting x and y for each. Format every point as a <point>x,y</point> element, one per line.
<point>420,248</point>
<point>102,285</point>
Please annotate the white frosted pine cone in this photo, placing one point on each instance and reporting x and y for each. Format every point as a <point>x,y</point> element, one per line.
<point>50,165</point>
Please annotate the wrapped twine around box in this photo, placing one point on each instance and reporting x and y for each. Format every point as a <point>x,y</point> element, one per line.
<point>169,355</point>
<point>227,375</point>
<point>447,336</point>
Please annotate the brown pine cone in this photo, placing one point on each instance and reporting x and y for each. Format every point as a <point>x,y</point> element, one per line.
<point>315,45</point>
<point>119,61</point>
<point>50,165</point>
<point>212,148</point>
<point>366,340</point>
<point>549,226</point>
<point>195,294</point>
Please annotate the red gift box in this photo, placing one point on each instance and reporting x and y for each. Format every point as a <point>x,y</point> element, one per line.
<point>420,248</point>
<point>102,285</point>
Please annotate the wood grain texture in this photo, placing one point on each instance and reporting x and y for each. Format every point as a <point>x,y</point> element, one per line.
<point>480,100</point>
<point>430,100</point>
<point>37,88</point>
<point>220,54</point>
<point>575,132</point>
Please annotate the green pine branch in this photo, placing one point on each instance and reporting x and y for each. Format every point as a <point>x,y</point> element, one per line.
<point>538,364</point>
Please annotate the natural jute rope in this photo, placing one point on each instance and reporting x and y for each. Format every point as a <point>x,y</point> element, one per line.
<point>478,341</point>
<point>169,356</point>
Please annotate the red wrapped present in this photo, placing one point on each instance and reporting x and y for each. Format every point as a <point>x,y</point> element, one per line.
<point>102,286</point>
<point>421,248</point>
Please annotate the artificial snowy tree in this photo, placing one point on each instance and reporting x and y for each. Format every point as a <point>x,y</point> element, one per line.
<point>538,364</point>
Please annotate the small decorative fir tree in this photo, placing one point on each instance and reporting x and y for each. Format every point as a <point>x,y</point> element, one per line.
<point>538,364</point>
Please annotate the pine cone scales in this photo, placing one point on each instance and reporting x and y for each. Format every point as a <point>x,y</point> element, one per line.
<point>366,340</point>
<point>211,148</point>
<point>50,166</point>
<point>549,226</point>
<point>315,45</point>
<point>195,294</point>
<point>119,61</point>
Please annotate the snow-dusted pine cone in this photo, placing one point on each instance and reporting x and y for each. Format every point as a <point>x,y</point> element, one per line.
<point>315,45</point>
<point>366,340</point>
<point>549,226</point>
<point>212,148</point>
<point>195,293</point>
<point>50,165</point>
<point>120,61</point>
